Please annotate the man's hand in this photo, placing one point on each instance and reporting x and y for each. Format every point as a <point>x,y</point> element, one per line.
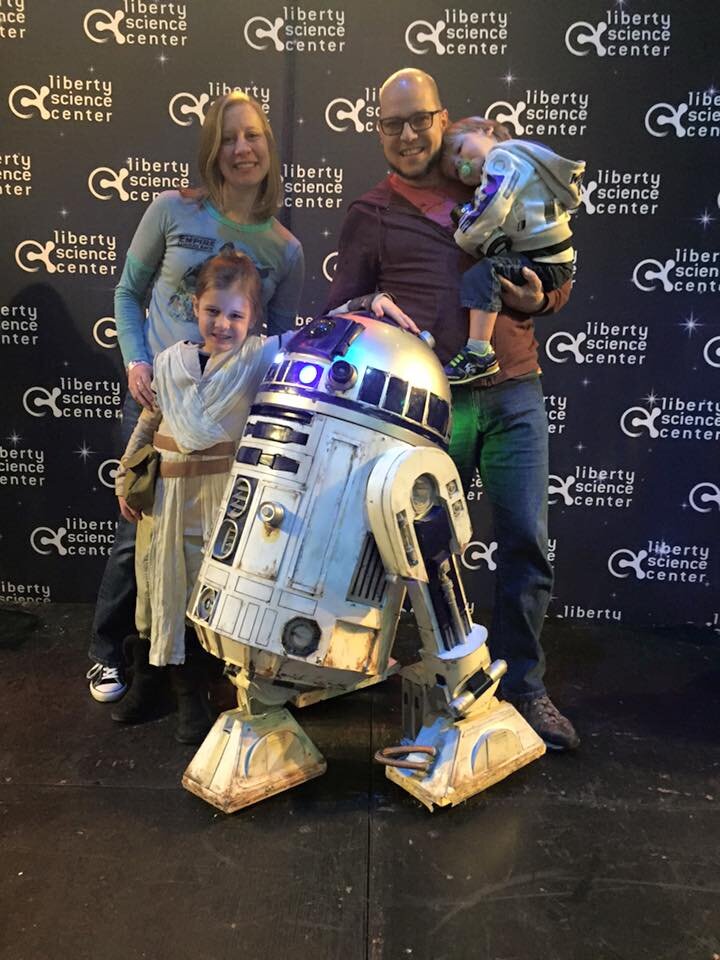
<point>526,299</point>
<point>132,516</point>
<point>139,380</point>
<point>383,306</point>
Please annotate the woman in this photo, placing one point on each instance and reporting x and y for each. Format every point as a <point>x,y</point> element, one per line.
<point>233,210</point>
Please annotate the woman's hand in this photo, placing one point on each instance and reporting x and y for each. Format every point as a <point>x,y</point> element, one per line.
<point>528,298</point>
<point>139,384</point>
<point>383,306</point>
<point>132,516</point>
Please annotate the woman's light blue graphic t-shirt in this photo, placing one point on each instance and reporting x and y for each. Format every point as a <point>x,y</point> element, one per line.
<point>175,237</point>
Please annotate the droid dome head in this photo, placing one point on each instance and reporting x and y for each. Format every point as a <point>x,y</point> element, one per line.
<point>356,366</point>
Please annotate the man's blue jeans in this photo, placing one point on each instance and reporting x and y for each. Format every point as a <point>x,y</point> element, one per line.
<point>115,608</point>
<point>503,430</point>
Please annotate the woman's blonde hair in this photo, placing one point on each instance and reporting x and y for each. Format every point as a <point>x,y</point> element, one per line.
<point>457,130</point>
<point>268,198</point>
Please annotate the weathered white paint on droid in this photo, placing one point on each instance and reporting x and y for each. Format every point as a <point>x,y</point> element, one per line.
<point>341,497</point>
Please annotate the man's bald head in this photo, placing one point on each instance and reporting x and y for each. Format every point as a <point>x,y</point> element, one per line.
<point>412,82</point>
<point>411,97</point>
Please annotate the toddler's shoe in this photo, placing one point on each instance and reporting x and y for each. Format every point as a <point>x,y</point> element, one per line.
<point>467,366</point>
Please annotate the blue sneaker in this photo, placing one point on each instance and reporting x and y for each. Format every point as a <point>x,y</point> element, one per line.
<point>467,366</point>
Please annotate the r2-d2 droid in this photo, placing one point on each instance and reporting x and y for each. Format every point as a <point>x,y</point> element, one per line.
<point>342,498</point>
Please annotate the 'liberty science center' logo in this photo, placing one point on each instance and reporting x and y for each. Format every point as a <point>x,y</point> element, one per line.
<point>544,113</point>
<point>186,108</point>
<point>694,118</point>
<point>600,343</point>
<point>661,561</point>
<point>673,418</point>
<point>705,497</point>
<point>621,34</point>
<point>359,115</point>
<point>688,271</point>
<point>301,30</point>
<point>612,192</point>
<point>76,537</point>
<point>478,555</point>
<point>64,98</point>
<point>75,398</point>
<point>139,179</point>
<point>134,27</point>
<point>590,486</point>
<point>472,33</point>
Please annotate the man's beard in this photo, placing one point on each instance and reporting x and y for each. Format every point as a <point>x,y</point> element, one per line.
<point>432,163</point>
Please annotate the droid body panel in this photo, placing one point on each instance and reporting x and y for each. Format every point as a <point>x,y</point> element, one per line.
<point>342,497</point>
<point>302,593</point>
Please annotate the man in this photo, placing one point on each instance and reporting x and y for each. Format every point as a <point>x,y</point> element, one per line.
<point>397,239</point>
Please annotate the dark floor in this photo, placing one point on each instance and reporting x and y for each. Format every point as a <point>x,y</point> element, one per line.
<point>611,853</point>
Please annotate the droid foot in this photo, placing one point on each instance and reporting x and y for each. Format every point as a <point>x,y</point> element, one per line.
<point>246,758</point>
<point>471,755</point>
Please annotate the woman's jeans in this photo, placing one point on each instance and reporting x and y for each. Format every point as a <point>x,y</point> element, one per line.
<point>115,608</point>
<point>503,431</point>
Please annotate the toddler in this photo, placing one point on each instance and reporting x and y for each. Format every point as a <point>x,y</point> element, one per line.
<point>519,217</point>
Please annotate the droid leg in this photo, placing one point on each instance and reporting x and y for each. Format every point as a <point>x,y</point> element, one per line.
<point>253,752</point>
<point>458,738</point>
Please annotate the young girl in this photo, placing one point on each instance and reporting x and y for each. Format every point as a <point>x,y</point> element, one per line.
<point>203,393</point>
<point>519,217</point>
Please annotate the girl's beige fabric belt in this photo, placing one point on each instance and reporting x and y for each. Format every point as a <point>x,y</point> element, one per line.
<point>194,468</point>
<point>219,450</point>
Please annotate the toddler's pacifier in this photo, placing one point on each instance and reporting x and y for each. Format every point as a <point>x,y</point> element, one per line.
<point>465,168</point>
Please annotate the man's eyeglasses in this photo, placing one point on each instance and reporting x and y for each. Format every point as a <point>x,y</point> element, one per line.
<point>423,120</point>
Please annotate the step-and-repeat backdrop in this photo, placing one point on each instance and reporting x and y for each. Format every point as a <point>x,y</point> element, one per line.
<point>100,109</point>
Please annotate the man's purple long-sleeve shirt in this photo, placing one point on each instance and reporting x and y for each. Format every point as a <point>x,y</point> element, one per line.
<point>387,243</point>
